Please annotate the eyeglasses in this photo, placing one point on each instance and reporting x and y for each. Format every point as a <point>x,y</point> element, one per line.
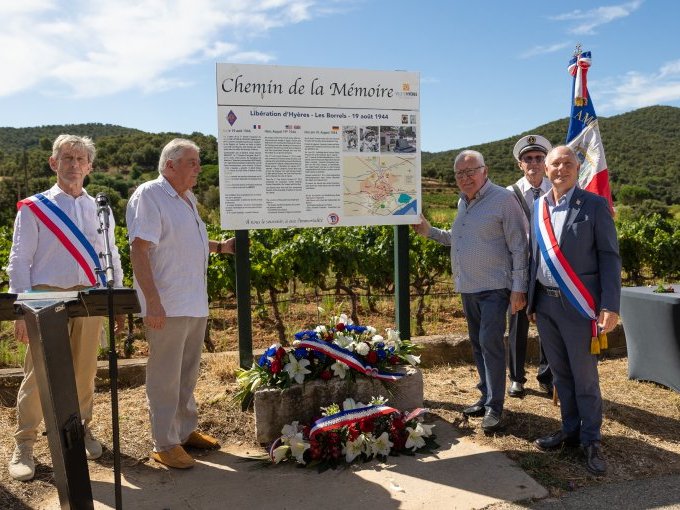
<point>468,172</point>
<point>531,159</point>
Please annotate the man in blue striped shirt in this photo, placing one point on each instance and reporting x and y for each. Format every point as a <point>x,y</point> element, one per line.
<point>489,265</point>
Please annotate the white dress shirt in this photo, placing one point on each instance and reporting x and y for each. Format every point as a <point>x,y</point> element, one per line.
<point>37,257</point>
<point>179,253</point>
<point>558,217</point>
<point>527,189</point>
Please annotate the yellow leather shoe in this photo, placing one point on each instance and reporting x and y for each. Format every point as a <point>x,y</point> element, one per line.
<point>200,440</point>
<point>176,457</point>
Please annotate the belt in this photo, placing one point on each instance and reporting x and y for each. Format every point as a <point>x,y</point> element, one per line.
<point>52,288</point>
<point>548,291</point>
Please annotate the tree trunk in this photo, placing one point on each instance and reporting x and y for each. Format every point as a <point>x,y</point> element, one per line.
<point>278,321</point>
<point>354,299</point>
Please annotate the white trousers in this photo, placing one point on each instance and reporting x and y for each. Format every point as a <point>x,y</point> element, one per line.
<point>171,375</point>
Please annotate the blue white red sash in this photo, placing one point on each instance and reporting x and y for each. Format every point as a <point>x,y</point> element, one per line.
<point>348,358</point>
<point>339,420</point>
<point>70,236</point>
<point>565,276</point>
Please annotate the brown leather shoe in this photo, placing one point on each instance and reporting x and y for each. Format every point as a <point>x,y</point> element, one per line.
<point>200,440</point>
<point>176,457</point>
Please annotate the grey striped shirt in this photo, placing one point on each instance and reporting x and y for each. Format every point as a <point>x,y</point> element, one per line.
<point>488,242</point>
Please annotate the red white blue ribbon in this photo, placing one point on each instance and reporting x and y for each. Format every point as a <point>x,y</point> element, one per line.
<point>565,276</point>
<point>415,413</point>
<point>583,134</point>
<point>348,358</point>
<point>339,420</point>
<point>578,68</point>
<point>70,236</point>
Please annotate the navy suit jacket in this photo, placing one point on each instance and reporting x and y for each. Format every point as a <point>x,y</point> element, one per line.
<point>589,243</point>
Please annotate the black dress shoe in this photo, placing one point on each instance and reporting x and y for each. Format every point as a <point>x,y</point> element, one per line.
<point>595,463</point>
<point>516,389</point>
<point>556,440</point>
<point>474,410</point>
<point>491,421</point>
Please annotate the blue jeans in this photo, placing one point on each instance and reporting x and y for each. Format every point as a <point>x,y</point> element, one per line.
<point>485,314</point>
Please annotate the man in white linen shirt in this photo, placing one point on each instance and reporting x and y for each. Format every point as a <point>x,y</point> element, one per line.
<point>39,261</point>
<point>489,260</point>
<point>169,250</point>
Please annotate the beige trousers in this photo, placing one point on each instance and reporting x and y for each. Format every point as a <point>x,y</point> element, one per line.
<point>171,375</point>
<point>84,335</point>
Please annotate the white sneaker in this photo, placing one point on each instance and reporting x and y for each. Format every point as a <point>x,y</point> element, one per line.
<point>93,448</point>
<point>21,465</point>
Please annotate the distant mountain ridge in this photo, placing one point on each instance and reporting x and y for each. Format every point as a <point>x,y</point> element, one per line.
<point>17,139</point>
<point>642,148</point>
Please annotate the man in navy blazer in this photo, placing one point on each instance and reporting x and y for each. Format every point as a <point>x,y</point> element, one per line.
<point>586,235</point>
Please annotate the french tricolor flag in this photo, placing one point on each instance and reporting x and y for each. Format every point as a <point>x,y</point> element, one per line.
<point>584,132</point>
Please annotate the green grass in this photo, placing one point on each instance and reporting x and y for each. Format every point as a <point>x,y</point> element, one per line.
<point>444,198</point>
<point>440,205</point>
<point>12,353</point>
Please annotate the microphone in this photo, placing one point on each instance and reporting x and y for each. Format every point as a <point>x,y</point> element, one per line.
<point>103,209</point>
<point>102,202</point>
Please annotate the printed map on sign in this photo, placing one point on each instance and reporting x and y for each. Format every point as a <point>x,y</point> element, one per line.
<point>379,185</point>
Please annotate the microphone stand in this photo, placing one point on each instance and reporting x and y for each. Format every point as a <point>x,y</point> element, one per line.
<point>103,214</point>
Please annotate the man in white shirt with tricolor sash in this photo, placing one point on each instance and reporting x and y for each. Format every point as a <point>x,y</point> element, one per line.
<point>55,248</point>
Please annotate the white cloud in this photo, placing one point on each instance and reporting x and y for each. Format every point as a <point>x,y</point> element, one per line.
<point>95,47</point>
<point>251,56</point>
<point>589,20</point>
<point>218,49</point>
<point>636,90</point>
<point>542,50</point>
<point>25,7</point>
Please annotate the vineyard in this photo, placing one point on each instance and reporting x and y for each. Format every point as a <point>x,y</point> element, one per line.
<point>294,271</point>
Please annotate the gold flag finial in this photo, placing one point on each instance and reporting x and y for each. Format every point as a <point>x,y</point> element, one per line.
<point>578,49</point>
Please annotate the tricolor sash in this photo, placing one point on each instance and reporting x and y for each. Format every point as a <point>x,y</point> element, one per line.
<point>339,420</point>
<point>567,280</point>
<point>68,234</point>
<point>348,358</point>
<point>351,416</point>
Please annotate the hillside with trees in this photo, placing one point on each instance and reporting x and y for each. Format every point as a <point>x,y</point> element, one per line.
<point>642,149</point>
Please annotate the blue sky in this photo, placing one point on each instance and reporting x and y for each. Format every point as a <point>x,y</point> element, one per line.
<point>489,69</point>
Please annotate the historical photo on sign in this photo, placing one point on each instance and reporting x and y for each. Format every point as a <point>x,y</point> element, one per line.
<point>350,139</point>
<point>369,139</point>
<point>401,139</point>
